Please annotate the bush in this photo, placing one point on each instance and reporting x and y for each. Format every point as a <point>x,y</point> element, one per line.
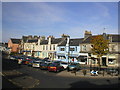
<point>84,72</point>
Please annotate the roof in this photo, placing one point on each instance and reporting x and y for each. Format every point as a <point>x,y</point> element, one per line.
<point>53,41</point>
<point>15,41</point>
<point>24,38</point>
<point>115,38</point>
<point>56,41</point>
<point>32,40</point>
<point>44,42</point>
<point>73,42</point>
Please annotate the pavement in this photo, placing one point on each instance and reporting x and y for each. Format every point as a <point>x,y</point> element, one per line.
<point>80,74</point>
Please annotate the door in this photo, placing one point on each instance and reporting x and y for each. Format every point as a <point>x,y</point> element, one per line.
<point>104,61</point>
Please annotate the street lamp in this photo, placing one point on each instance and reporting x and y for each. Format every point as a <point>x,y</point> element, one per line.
<point>67,49</point>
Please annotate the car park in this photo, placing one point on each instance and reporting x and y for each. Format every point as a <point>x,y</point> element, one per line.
<point>55,67</point>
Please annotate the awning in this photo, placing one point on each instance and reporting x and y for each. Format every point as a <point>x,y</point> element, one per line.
<point>51,52</point>
<point>26,51</point>
<point>60,54</point>
<point>73,55</point>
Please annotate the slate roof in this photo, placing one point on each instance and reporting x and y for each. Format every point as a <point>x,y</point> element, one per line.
<point>44,42</point>
<point>24,38</point>
<point>32,41</point>
<point>57,40</point>
<point>73,42</point>
<point>115,38</point>
<point>15,41</point>
<point>53,41</point>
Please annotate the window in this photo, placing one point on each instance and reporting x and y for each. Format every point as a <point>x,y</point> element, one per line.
<point>43,47</point>
<point>76,48</point>
<point>91,46</point>
<point>46,47</point>
<point>84,47</point>
<point>53,47</point>
<point>50,47</point>
<point>62,49</point>
<point>72,49</point>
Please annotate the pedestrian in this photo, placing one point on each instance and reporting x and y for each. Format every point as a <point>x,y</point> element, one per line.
<point>19,62</point>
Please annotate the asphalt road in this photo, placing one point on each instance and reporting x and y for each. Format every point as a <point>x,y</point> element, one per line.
<point>45,79</point>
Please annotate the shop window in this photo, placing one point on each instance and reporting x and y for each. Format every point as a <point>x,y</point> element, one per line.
<point>111,61</point>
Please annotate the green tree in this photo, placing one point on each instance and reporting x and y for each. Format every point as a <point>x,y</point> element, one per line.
<point>100,47</point>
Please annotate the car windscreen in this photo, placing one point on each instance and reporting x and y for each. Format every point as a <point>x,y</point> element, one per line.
<point>64,63</point>
<point>53,65</point>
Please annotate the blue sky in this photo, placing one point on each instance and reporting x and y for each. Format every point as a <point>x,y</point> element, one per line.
<point>56,18</point>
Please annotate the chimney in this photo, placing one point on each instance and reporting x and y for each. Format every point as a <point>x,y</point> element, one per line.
<point>30,37</point>
<point>87,34</point>
<point>50,38</point>
<point>40,39</point>
<point>35,37</point>
<point>64,36</point>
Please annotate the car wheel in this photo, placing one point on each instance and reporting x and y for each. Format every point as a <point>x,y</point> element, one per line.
<point>57,71</point>
<point>68,69</point>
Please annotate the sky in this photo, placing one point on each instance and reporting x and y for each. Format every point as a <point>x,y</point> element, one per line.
<point>55,18</point>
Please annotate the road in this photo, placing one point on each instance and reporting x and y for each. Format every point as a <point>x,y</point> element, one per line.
<point>29,77</point>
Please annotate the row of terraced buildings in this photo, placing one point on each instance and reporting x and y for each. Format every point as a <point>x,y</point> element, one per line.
<point>57,48</point>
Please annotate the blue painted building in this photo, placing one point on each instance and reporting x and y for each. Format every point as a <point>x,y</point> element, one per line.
<point>69,49</point>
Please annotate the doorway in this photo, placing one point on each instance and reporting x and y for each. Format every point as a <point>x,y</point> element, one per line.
<point>104,61</point>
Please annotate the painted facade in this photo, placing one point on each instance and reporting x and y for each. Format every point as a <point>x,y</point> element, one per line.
<point>14,45</point>
<point>111,59</point>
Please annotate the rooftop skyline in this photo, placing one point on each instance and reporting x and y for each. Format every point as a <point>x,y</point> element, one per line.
<point>55,18</point>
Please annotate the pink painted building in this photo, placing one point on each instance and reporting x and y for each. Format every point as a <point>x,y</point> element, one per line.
<point>14,44</point>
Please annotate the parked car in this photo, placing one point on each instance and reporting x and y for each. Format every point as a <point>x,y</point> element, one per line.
<point>48,61</point>
<point>12,57</point>
<point>36,63</point>
<point>57,62</point>
<point>113,71</point>
<point>44,66</point>
<point>46,58</point>
<point>30,63</point>
<point>64,64</point>
<point>55,67</point>
<point>73,66</point>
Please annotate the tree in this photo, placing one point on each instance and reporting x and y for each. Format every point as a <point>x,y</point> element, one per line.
<point>100,47</point>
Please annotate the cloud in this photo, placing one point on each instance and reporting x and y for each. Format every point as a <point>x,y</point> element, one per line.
<point>103,10</point>
<point>39,13</point>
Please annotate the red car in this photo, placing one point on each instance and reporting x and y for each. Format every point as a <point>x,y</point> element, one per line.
<point>55,67</point>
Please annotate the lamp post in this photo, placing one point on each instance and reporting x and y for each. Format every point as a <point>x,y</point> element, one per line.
<point>67,49</point>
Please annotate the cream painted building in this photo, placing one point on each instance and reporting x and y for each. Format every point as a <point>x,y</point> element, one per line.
<point>111,59</point>
<point>48,47</point>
